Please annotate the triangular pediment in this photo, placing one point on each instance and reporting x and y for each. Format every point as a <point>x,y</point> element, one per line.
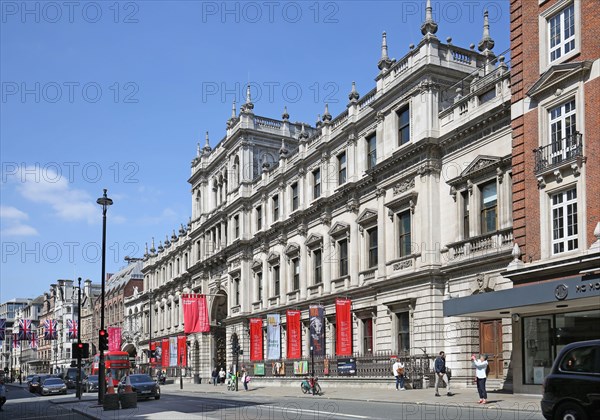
<point>552,77</point>
<point>339,228</point>
<point>366,216</point>
<point>257,265</point>
<point>480,162</point>
<point>273,257</point>
<point>314,239</point>
<point>292,248</point>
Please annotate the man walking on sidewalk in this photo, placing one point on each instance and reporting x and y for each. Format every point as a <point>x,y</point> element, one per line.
<point>398,371</point>
<point>440,373</point>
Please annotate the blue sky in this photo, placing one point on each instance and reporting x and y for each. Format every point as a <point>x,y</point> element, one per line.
<point>101,96</point>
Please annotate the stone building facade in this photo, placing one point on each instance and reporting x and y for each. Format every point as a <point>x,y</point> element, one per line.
<point>399,203</point>
<point>556,168</point>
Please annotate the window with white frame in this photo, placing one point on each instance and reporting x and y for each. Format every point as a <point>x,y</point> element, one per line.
<point>342,168</point>
<point>404,234</point>
<point>316,183</point>
<point>489,207</point>
<point>275,207</point>
<point>371,151</point>
<point>295,274</point>
<point>343,257</point>
<point>295,201</point>
<point>372,245</point>
<point>563,127</point>
<point>564,221</point>
<point>561,33</point>
<point>317,266</point>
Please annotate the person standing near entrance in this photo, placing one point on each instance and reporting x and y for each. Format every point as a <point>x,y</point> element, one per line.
<point>215,376</point>
<point>481,369</point>
<point>222,376</point>
<point>398,371</point>
<point>440,373</point>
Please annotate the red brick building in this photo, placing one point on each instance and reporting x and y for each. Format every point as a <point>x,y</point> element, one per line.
<point>555,114</point>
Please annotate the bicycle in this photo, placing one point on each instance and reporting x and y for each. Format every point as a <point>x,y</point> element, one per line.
<point>310,385</point>
<point>231,383</point>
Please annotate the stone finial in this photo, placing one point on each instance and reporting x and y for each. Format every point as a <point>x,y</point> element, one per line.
<point>248,105</point>
<point>596,245</point>
<point>173,236</point>
<point>152,249</point>
<point>486,43</point>
<point>283,151</point>
<point>318,123</point>
<point>146,251</point>
<point>285,116</point>
<point>326,115</point>
<point>198,150</point>
<point>303,134</point>
<point>167,242</point>
<point>181,230</point>
<point>429,27</point>
<point>516,261</point>
<point>207,148</point>
<point>233,111</point>
<point>353,95</point>
<point>189,224</point>
<point>160,247</point>
<point>384,62</point>
<point>265,165</point>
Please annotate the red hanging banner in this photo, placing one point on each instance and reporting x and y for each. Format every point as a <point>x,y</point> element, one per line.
<point>181,351</point>
<point>204,320</point>
<point>294,335</point>
<point>153,360</point>
<point>256,339</point>
<point>343,316</point>
<point>191,315</point>
<point>165,352</point>
<point>114,339</point>
<point>195,313</point>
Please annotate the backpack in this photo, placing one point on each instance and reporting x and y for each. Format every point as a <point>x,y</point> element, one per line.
<point>400,371</point>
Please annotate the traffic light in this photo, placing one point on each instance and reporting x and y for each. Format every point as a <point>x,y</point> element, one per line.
<point>81,350</point>
<point>235,344</point>
<point>102,340</point>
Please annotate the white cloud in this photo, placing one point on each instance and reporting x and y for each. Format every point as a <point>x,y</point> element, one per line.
<point>12,221</point>
<point>54,190</point>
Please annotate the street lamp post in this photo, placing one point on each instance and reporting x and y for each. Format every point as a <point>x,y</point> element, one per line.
<point>150,297</point>
<point>105,202</point>
<point>78,392</point>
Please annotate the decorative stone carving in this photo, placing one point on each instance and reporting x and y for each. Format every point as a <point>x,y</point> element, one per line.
<point>404,186</point>
<point>402,265</point>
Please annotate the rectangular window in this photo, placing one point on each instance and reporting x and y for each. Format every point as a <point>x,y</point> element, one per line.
<point>403,332</point>
<point>465,208</point>
<point>404,239</point>
<point>236,285</point>
<point>563,128</point>
<point>368,335</point>
<point>343,249</point>
<point>296,274</point>
<point>403,125</point>
<point>561,31</point>
<point>295,201</point>
<point>371,151</point>
<point>564,221</point>
<point>317,264</point>
<point>275,208</point>
<point>316,183</point>
<point>259,218</point>
<point>259,283</point>
<point>276,280</point>
<point>342,168</point>
<point>489,208</point>
<point>236,226</point>
<point>372,237</point>
<point>487,96</point>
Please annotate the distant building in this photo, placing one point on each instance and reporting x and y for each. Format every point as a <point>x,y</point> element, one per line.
<point>8,311</point>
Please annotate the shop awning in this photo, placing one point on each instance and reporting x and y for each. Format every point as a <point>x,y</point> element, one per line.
<point>573,292</point>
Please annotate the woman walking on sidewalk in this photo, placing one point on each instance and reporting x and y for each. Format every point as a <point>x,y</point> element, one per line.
<point>481,366</point>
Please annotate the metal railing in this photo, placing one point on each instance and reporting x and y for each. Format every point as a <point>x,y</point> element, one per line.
<point>558,152</point>
<point>418,368</point>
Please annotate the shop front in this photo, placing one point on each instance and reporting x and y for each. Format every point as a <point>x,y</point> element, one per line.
<point>546,315</point>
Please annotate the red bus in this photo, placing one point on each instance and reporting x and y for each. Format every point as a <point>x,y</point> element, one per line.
<point>116,364</point>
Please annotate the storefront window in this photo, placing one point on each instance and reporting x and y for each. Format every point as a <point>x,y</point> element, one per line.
<point>544,337</point>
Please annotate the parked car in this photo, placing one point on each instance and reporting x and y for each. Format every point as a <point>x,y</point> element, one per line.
<point>572,388</point>
<point>71,378</point>
<point>34,384</point>
<point>143,385</point>
<point>53,385</point>
<point>29,378</point>
<point>90,383</point>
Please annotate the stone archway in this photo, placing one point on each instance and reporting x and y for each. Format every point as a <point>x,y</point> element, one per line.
<point>218,314</point>
<point>132,351</point>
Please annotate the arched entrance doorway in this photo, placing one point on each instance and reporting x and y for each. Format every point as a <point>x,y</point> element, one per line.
<point>132,351</point>
<point>217,316</point>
